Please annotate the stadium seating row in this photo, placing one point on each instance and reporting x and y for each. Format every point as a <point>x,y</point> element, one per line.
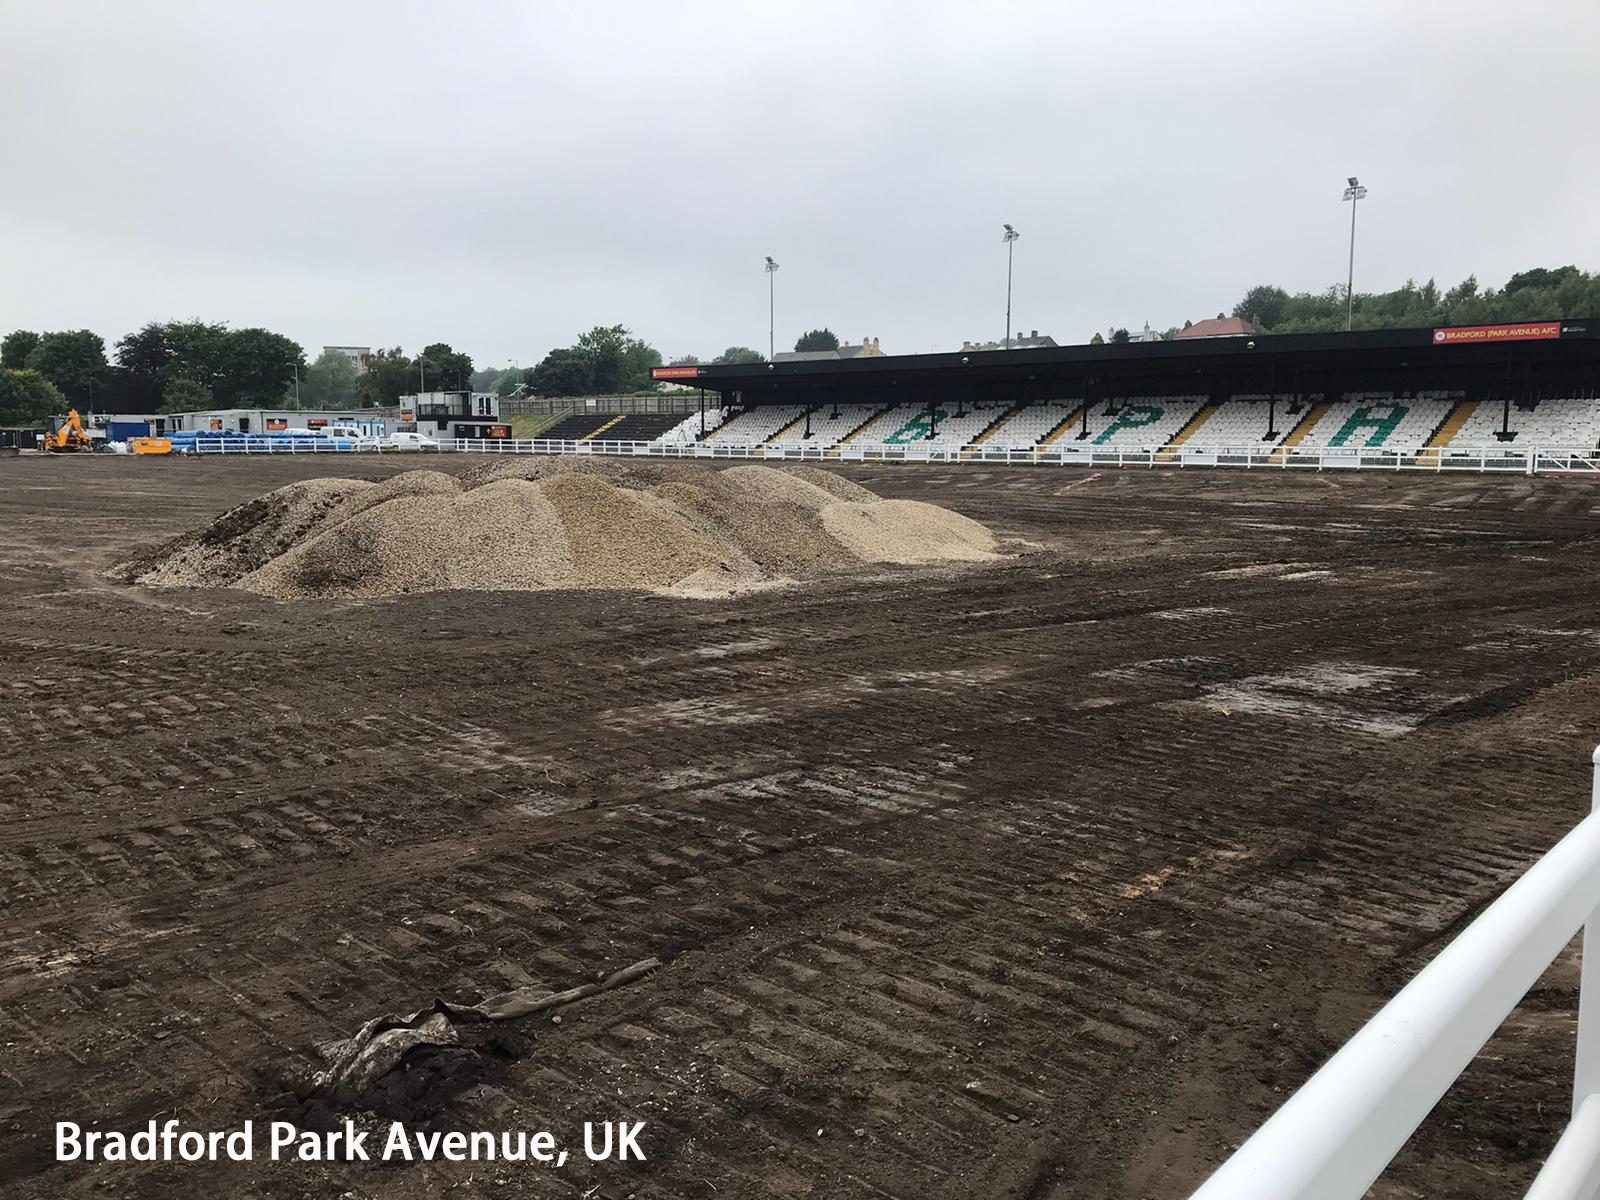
<point>1357,420</point>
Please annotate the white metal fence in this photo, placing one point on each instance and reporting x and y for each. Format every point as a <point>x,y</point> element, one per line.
<point>1334,1136</point>
<point>1500,459</point>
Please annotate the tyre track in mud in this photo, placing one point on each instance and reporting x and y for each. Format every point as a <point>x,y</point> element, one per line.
<point>981,864</point>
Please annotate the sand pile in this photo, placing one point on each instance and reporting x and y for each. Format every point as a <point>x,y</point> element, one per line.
<point>534,524</point>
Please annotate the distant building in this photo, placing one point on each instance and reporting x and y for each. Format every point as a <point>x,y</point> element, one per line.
<point>453,415</point>
<point>260,420</point>
<point>867,349</point>
<point>356,354</point>
<point>1221,326</point>
<point>1019,341</point>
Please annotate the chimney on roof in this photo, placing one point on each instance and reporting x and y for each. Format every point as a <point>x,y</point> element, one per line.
<point>1220,317</point>
<point>1035,333</point>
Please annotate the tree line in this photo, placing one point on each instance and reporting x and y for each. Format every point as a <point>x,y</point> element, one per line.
<point>1540,294</point>
<point>610,361</point>
<point>176,366</point>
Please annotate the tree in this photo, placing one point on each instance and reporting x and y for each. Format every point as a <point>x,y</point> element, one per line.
<point>485,379</point>
<point>444,369</point>
<point>1262,305</point>
<point>238,367</point>
<point>196,350</point>
<point>75,361</point>
<point>564,372</point>
<point>684,360</point>
<point>28,399</point>
<point>1120,337</point>
<point>15,348</point>
<point>508,381</point>
<point>331,382</point>
<point>142,358</point>
<point>185,395</point>
<point>619,361</point>
<point>738,356</point>
<point>1542,277</point>
<point>259,367</point>
<point>605,346</point>
<point>1543,293</point>
<point>1097,340</point>
<point>817,339</point>
<point>389,375</point>
<point>638,361</point>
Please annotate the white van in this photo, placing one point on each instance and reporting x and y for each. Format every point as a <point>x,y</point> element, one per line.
<point>349,433</point>
<point>410,441</point>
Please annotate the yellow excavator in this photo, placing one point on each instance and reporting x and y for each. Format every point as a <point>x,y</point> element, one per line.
<point>72,436</point>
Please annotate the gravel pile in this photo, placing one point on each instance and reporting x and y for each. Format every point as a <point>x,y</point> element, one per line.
<point>536,524</point>
<point>502,537</point>
<point>248,536</point>
<point>907,531</point>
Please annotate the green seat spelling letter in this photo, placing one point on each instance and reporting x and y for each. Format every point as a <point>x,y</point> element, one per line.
<point>916,429</point>
<point>1366,417</point>
<point>1132,417</point>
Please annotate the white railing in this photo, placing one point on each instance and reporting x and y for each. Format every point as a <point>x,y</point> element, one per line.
<point>1337,1133</point>
<point>1500,459</point>
<point>273,445</point>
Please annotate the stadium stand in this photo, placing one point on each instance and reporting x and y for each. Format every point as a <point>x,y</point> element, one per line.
<point>868,431</point>
<point>643,427</point>
<point>688,429</point>
<point>577,427</point>
<point>1552,423</point>
<point>912,426</point>
<point>754,426</point>
<point>1137,422</point>
<point>1035,424</point>
<point>1362,420</point>
<point>1374,420</point>
<point>826,427</point>
<point>1242,423</point>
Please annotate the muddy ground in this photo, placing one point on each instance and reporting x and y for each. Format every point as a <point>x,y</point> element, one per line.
<point>1044,880</point>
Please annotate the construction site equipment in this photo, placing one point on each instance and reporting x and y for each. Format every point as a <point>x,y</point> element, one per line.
<point>72,436</point>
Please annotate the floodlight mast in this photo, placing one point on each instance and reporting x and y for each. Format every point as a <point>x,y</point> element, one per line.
<point>1010,239</point>
<point>772,306</point>
<point>1353,193</point>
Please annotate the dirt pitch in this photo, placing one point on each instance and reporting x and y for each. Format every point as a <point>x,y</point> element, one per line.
<point>1046,880</point>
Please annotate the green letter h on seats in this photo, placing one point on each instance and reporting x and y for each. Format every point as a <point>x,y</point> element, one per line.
<point>1366,418</point>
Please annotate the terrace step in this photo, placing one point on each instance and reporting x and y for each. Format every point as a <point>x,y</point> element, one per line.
<point>1066,423</point>
<point>1299,433</point>
<point>1169,452</point>
<point>617,420</point>
<point>1445,434</point>
<point>787,429</point>
<point>857,432</point>
<point>987,432</point>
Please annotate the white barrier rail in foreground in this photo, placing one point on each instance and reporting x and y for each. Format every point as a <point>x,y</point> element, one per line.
<point>1337,1133</point>
<point>1527,461</point>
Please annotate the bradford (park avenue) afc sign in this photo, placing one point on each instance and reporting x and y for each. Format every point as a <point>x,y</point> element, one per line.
<point>1529,332</point>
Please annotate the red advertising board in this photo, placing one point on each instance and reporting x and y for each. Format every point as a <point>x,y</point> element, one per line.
<point>674,372</point>
<point>499,431</point>
<point>1531,332</point>
<point>277,424</point>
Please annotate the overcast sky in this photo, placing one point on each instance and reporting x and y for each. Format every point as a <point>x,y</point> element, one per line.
<point>502,176</point>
